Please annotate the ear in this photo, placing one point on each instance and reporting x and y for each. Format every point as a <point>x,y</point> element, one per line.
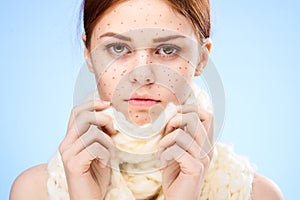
<point>87,55</point>
<point>204,56</point>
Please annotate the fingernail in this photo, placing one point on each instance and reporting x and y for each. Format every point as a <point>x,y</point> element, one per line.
<point>107,103</point>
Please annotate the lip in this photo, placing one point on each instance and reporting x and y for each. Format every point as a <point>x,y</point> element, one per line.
<point>142,101</point>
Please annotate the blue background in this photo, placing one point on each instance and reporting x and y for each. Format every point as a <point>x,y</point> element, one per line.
<point>256,50</point>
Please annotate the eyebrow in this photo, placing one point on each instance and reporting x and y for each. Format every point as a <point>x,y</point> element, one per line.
<point>167,38</point>
<point>156,40</point>
<point>115,35</point>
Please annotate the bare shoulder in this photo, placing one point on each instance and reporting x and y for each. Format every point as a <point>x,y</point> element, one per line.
<point>266,189</point>
<point>31,184</point>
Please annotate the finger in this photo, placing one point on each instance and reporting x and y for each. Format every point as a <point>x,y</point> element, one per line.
<point>187,163</point>
<point>81,162</point>
<point>189,122</point>
<point>183,140</point>
<point>93,105</point>
<point>83,123</point>
<point>86,118</point>
<point>95,135</point>
<point>205,116</point>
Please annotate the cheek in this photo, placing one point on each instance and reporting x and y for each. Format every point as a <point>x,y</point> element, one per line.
<point>186,71</point>
<point>108,80</point>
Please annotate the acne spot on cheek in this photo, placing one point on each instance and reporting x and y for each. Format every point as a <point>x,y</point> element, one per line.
<point>122,22</point>
<point>171,22</point>
<point>155,23</point>
<point>134,20</point>
<point>123,72</point>
<point>108,24</point>
<point>113,77</point>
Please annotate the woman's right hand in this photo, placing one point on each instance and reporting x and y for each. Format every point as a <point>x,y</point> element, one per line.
<point>86,151</point>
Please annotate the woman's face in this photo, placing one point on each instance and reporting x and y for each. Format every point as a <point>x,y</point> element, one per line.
<point>143,55</point>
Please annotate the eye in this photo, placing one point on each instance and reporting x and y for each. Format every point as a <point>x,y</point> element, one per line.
<point>118,49</point>
<point>167,50</point>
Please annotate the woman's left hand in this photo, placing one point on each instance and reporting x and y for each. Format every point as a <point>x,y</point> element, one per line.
<point>185,153</point>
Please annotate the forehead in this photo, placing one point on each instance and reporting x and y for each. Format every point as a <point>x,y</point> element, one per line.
<point>143,14</point>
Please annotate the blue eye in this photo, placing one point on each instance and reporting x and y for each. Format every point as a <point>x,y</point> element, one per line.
<point>167,50</point>
<point>118,49</point>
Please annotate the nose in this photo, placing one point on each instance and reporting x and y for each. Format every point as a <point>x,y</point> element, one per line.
<point>143,71</point>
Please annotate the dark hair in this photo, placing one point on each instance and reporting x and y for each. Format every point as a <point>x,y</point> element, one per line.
<point>196,11</point>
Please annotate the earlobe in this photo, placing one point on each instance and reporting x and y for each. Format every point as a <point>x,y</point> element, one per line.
<point>87,54</point>
<point>204,56</point>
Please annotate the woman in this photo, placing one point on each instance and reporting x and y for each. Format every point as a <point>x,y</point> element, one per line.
<point>144,55</point>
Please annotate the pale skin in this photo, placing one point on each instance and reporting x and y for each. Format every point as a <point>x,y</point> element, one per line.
<point>183,168</point>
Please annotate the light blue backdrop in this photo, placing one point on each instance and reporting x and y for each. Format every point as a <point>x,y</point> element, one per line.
<point>256,50</point>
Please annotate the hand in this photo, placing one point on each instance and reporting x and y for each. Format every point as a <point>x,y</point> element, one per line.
<point>86,150</point>
<point>185,153</point>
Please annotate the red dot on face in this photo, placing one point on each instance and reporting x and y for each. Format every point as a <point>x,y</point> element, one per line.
<point>134,20</point>
<point>180,68</point>
<point>155,22</point>
<point>113,77</point>
<point>108,24</point>
<point>136,116</point>
<point>122,23</point>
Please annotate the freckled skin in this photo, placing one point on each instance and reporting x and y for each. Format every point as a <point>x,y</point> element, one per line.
<point>111,78</point>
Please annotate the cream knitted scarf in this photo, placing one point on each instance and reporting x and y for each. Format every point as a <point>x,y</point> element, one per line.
<point>229,176</point>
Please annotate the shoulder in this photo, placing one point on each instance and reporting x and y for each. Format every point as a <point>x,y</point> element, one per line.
<point>31,184</point>
<point>266,189</point>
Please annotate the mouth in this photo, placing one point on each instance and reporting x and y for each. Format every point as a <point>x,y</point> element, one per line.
<point>142,101</point>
